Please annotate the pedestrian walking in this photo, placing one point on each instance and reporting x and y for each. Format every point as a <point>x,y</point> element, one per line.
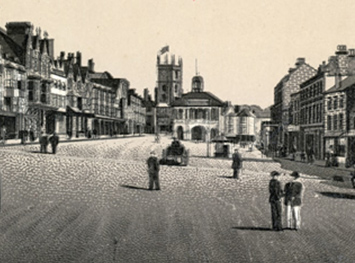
<point>54,141</point>
<point>293,201</point>
<point>153,171</point>
<point>43,141</point>
<point>275,197</point>
<point>236,164</point>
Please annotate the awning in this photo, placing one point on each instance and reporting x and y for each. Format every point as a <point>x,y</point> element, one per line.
<point>74,109</point>
<point>41,106</point>
<point>106,118</point>
<point>61,110</point>
<point>7,113</point>
<point>334,134</point>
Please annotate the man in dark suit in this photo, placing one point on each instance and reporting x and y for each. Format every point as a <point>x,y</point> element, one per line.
<point>43,141</point>
<point>236,164</point>
<point>276,194</point>
<point>54,140</point>
<point>153,171</point>
<point>293,201</point>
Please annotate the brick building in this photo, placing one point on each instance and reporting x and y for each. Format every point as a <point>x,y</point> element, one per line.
<point>280,111</point>
<point>339,120</point>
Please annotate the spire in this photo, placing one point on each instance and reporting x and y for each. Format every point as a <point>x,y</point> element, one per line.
<point>196,67</point>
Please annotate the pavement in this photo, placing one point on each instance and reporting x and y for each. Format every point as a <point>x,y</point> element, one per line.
<point>90,203</point>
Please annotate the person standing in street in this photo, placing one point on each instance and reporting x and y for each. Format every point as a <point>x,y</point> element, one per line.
<point>3,134</point>
<point>293,201</point>
<point>54,141</point>
<point>43,141</point>
<point>153,171</point>
<point>275,197</point>
<point>236,164</point>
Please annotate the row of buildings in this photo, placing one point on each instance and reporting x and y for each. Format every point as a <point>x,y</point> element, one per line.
<point>41,92</point>
<point>313,109</point>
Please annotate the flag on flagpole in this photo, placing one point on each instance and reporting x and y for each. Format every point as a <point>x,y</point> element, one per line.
<point>164,49</point>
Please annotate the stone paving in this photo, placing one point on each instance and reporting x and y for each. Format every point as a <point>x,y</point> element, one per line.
<point>89,203</point>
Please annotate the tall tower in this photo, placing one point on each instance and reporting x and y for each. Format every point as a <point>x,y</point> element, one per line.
<point>169,83</point>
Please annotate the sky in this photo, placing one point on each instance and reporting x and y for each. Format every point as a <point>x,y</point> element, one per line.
<point>242,48</point>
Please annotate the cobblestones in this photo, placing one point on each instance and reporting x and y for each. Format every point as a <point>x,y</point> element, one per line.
<point>88,203</point>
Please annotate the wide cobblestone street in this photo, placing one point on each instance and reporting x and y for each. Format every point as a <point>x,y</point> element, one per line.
<point>89,203</point>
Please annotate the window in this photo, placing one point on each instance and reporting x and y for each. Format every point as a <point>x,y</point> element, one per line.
<point>335,122</point>
<point>335,103</point>
<point>176,88</point>
<point>30,91</point>
<point>329,123</point>
<point>329,103</point>
<point>341,121</point>
<point>341,102</point>
<point>80,103</point>
<point>8,103</point>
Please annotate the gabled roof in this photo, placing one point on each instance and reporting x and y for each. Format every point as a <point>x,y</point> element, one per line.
<point>343,85</point>
<point>192,98</point>
<point>245,113</point>
<point>11,48</point>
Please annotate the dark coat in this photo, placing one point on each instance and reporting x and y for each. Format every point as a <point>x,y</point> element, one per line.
<point>237,161</point>
<point>275,191</point>
<point>43,140</point>
<point>54,140</point>
<point>153,165</point>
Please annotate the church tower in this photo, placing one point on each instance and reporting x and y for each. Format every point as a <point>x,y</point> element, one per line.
<point>169,83</point>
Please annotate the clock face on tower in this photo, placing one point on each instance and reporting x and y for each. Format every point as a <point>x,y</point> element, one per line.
<point>163,74</point>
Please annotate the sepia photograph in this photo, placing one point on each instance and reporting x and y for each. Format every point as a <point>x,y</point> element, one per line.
<point>177,131</point>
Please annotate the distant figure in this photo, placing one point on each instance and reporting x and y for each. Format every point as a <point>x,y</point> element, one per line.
<point>54,141</point>
<point>32,134</point>
<point>236,164</point>
<point>43,141</point>
<point>293,201</point>
<point>153,171</point>
<point>276,194</point>
<point>352,174</point>
<point>303,157</point>
<point>3,134</point>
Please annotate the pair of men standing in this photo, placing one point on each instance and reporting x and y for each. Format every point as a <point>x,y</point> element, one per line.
<point>44,141</point>
<point>292,194</point>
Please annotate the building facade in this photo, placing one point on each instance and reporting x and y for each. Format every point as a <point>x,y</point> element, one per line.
<point>280,111</point>
<point>197,115</point>
<point>339,120</point>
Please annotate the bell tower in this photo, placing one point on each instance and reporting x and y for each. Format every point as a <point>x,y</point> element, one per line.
<point>169,79</point>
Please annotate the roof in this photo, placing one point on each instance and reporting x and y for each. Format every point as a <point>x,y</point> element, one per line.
<point>198,99</point>
<point>343,85</point>
<point>10,47</point>
<point>245,113</point>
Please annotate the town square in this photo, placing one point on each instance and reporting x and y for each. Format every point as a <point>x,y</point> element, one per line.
<point>177,131</point>
<point>90,203</point>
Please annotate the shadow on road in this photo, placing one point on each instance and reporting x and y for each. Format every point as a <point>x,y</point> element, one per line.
<point>134,187</point>
<point>338,195</point>
<point>246,159</point>
<point>227,177</point>
<point>252,228</point>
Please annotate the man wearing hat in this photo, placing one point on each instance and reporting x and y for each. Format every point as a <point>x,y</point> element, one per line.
<point>153,171</point>
<point>236,164</point>
<point>293,201</point>
<point>276,194</point>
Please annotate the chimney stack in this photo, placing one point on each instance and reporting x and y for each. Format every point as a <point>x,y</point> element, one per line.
<point>78,58</point>
<point>91,65</point>
<point>300,61</point>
